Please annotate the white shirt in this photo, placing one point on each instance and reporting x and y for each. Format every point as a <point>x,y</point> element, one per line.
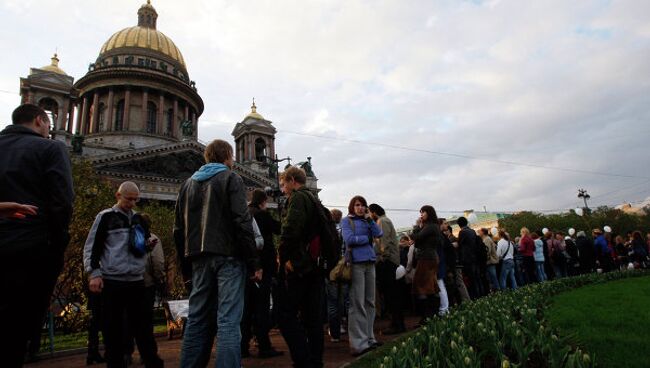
<point>502,248</point>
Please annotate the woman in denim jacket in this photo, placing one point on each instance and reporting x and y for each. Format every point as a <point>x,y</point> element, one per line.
<point>359,231</point>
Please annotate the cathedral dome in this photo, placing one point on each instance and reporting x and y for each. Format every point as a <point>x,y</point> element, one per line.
<point>54,66</point>
<point>144,39</point>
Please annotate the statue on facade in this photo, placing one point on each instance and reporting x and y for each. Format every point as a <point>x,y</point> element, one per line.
<point>77,143</point>
<point>306,165</point>
<point>187,128</point>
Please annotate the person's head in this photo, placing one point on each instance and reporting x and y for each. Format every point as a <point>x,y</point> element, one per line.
<point>559,236</point>
<point>503,235</point>
<point>32,117</point>
<point>597,232</point>
<point>534,235</point>
<point>259,198</point>
<point>428,214</point>
<point>483,232</point>
<point>637,236</point>
<point>293,178</point>
<point>376,211</point>
<point>337,215</point>
<point>524,231</point>
<point>404,241</point>
<point>619,239</point>
<point>462,221</point>
<point>358,206</point>
<point>581,234</point>
<point>219,151</point>
<point>127,195</point>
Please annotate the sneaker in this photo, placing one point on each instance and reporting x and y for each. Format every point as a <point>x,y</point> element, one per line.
<point>270,353</point>
<point>359,353</point>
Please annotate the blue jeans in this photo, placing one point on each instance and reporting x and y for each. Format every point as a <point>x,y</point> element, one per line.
<point>508,272</point>
<point>491,272</point>
<point>541,275</point>
<point>216,306</point>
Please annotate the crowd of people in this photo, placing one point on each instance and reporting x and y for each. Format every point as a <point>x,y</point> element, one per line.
<point>234,271</point>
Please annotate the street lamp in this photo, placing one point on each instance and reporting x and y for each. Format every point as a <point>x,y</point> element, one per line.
<point>273,174</point>
<point>582,193</point>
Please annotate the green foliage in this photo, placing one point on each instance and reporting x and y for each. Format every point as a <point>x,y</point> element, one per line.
<point>610,318</point>
<point>619,221</point>
<point>505,329</point>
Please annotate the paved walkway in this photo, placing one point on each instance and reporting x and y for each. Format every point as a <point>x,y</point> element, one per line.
<point>336,354</point>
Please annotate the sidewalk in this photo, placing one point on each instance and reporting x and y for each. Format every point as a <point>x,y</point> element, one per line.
<point>336,354</point>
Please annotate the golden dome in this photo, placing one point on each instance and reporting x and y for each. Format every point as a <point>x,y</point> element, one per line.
<point>54,66</point>
<point>146,38</point>
<point>253,114</point>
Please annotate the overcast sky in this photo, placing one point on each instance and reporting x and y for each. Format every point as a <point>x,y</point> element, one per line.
<point>484,97</point>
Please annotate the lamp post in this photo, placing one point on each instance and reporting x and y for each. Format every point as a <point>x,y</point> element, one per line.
<point>273,173</point>
<point>582,193</point>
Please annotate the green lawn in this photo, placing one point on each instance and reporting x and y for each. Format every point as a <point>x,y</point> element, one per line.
<point>77,340</point>
<point>611,320</point>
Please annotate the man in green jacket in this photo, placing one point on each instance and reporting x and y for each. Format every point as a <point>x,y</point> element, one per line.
<point>300,277</point>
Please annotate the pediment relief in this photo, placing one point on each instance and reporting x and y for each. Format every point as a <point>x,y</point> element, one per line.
<point>178,165</point>
<point>45,77</point>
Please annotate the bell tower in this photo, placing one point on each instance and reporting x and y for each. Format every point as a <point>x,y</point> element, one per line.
<point>254,139</point>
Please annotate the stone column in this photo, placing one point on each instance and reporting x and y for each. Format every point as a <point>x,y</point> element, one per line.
<point>145,103</point>
<point>161,110</point>
<point>71,117</point>
<point>79,111</point>
<point>94,123</point>
<point>109,107</point>
<point>84,116</point>
<point>127,110</point>
<point>195,126</point>
<point>60,119</point>
<point>175,119</point>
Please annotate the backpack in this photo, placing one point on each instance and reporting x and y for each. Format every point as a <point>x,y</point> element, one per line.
<point>481,251</point>
<point>325,246</point>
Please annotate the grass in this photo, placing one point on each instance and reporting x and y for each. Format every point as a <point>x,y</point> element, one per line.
<point>611,320</point>
<point>76,340</point>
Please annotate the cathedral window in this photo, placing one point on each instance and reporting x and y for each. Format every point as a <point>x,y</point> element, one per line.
<point>170,122</point>
<point>101,118</point>
<point>260,149</point>
<point>119,116</point>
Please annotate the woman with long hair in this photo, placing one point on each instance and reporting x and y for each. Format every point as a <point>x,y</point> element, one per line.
<point>428,239</point>
<point>359,231</point>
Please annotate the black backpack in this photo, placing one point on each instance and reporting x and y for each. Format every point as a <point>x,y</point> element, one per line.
<point>481,251</point>
<point>326,240</point>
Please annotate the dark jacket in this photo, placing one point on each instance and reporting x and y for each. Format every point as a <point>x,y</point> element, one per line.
<point>268,226</point>
<point>427,240</point>
<point>35,171</point>
<point>466,246</point>
<point>298,228</point>
<point>212,218</point>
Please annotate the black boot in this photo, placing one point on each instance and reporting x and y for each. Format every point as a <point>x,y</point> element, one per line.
<point>94,357</point>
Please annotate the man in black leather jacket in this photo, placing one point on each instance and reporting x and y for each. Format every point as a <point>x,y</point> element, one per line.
<point>34,171</point>
<point>214,235</point>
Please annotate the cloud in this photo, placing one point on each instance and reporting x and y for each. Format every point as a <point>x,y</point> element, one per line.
<point>551,83</point>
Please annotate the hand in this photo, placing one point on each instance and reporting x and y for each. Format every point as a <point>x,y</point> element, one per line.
<point>96,284</point>
<point>16,210</point>
<point>257,276</point>
<point>288,266</point>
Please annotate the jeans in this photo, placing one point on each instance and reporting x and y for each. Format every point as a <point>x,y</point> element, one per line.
<point>336,293</point>
<point>491,272</point>
<point>257,315</point>
<point>362,307</point>
<point>529,267</point>
<point>216,306</point>
<point>389,287</point>
<point>444,299</point>
<point>508,272</point>
<point>459,285</point>
<point>299,306</point>
<point>541,275</point>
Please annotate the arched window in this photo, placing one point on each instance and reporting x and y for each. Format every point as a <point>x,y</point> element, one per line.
<point>260,149</point>
<point>119,116</point>
<point>51,108</point>
<point>101,117</point>
<point>151,117</point>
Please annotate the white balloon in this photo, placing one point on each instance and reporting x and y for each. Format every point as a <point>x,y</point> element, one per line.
<point>579,211</point>
<point>544,231</point>
<point>607,229</point>
<point>494,231</point>
<point>572,231</point>
<point>472,218</point>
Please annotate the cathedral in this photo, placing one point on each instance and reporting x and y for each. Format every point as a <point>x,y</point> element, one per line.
<point>135,115</point>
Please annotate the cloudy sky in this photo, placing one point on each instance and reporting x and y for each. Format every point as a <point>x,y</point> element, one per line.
<point>503,105</point>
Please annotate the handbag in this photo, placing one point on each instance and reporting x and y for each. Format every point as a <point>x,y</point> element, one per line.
<point>342,272</point>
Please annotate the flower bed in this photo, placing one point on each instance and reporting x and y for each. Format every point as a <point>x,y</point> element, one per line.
<point>506,329</point>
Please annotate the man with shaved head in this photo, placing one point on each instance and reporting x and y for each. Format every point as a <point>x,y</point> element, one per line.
<point>115,262</point>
